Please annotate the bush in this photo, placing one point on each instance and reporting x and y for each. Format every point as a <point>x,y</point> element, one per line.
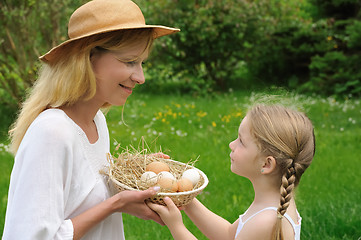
<point>213,39</point>
<point>231,43</point>
<point>29,29</point>
<point>335,73</point>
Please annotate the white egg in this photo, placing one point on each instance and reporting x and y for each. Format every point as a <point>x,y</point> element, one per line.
<point>165,174</point>
<point>192,175</point>
<point>149,178</point>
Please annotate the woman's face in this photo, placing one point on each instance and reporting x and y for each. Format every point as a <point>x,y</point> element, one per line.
<point>116,78</point>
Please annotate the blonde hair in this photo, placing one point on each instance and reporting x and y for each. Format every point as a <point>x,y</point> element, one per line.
<point>70,77</point>
<point>288,136</point>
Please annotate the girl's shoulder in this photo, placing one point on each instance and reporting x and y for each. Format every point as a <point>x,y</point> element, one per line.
<point>259,226</point>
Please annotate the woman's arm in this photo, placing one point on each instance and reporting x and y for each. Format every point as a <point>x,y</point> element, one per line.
<point>210,224</point>
<point>131,202</point>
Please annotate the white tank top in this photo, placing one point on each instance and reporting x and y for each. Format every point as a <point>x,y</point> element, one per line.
<point>296,227</point>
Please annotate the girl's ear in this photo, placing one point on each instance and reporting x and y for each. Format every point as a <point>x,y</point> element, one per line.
<point>269,165</point>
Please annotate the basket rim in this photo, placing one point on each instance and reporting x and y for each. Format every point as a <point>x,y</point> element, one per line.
<point>205,183</point>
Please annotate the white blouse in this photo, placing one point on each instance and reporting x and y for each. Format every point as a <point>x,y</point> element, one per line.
<point>56,177</point>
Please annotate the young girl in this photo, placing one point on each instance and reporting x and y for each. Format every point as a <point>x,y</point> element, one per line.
<point>274,147</point>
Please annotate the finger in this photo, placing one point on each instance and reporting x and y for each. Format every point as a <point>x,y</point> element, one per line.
<point>162,155</point>
<point>150,192</point>
<point>155,217</point>
<point>158,210</point>
<point>155,207</point>
<point>170,204</point>
<point>165,156</point>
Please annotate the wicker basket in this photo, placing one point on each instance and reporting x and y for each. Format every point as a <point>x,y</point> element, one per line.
<point>179,198</point>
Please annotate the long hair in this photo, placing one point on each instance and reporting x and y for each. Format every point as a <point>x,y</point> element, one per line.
<point>70,77</point>
<point>288,136</point>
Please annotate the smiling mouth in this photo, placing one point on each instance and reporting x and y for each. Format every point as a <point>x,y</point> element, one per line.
<point>129,88</point>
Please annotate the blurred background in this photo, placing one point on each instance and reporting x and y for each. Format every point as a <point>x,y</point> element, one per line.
<point>312,46</point>
<point>203,77</point>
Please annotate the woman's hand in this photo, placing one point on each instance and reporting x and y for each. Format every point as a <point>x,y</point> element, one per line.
<point>170,214</point>
<point>133,203</point>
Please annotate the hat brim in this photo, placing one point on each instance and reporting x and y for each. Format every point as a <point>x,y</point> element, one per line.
<point>159,31</point>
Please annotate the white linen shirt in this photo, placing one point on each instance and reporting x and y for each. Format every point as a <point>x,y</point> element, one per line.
<point>56,177</point>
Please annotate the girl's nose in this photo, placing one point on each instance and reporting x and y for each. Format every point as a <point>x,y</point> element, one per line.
<point>231,144</point>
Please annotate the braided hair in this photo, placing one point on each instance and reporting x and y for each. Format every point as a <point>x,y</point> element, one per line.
<point>288,136</point>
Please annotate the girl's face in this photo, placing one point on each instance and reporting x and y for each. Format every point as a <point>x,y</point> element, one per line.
<point>244,153</point>
<point>116,78</point>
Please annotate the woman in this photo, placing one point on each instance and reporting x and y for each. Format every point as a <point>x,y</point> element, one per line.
<point>60,139</point>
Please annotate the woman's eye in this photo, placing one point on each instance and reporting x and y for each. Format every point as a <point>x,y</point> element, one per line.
<point>131,63</point>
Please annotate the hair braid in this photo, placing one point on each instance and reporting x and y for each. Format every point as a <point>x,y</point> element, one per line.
<point>287,186</point>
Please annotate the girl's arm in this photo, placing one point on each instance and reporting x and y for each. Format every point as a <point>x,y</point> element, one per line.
<point>131,202</point>
<point>211,225</point>
<point>173,219</point>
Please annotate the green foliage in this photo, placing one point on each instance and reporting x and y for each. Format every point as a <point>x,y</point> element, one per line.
<point>338,9</point>
<point>335,73</point>
<point>337,70</point>
<point>354,35</point>
<point>29,29</point>
<point>213,38</point>
<point>222,44</point>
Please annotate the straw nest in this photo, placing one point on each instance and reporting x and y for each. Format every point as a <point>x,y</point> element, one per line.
<point>126,169</point>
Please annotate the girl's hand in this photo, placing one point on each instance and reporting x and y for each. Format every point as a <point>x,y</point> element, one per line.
<point>133,203</point>
<point>160,155</point>
<point>170,214</point>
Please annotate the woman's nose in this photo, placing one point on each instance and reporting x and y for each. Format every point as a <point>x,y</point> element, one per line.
<point>138,75</point>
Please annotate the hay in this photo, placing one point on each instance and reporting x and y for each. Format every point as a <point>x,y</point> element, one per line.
<point>126,169</point>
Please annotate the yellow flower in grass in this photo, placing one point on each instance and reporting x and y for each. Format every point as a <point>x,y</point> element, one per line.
<point>237,114</point>
<point>201,114</point>
<point>226,118</point>
<point>214,124</point>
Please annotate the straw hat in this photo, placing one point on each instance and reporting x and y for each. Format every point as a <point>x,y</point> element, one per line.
<point>100,16</point>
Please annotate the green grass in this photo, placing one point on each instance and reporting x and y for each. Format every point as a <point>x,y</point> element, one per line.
<point>328,197</point>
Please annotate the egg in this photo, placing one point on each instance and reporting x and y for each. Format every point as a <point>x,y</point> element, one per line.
<point>157,167</point>
<point>165,174</point>
<point>167,185</point>
<point>184,184</point>
<point>192,175</point>
<point>149,178</point>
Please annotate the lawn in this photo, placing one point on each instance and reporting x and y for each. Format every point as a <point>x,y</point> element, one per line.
<point>186,128</point>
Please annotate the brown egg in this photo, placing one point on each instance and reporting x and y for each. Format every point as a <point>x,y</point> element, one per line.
<point>157,167</point>
<point>167,185</point>
<point>184,185</point>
